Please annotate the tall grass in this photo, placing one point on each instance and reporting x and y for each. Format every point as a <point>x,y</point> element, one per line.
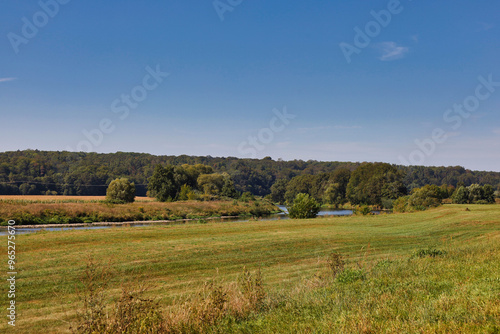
<point>88,211</point>
<point>423,294</point>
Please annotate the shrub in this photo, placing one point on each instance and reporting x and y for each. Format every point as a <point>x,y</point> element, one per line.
<point>426,197</point>
<point>429,252</point>
<point>121,191</point>
<point>474,194</point>
<point>387,203</point>
<point>401,204</point>
<point>421,199</point>
<point>247,196</point>
<point>185,192</point>
<point>303,206</point>
<point>363,210</point>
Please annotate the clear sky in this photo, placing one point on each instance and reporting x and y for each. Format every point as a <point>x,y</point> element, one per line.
<point>323,80</point>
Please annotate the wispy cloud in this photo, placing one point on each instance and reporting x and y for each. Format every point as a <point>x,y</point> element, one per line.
<point>392,51</point>
<point>7,79</point>
<point>496,131</point>
<point>329,127</point>
<point>347,127</point>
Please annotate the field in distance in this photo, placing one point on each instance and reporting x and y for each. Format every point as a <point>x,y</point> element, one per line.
<point>427,272</point>
<point>62,199</point>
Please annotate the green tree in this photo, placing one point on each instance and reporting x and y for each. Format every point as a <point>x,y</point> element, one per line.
<point>476,193</point>
<point>166,182</point>
<point>299,185</point>
<point>426,197</point>
<point>211,184</point>
<point>121,191</point>
<point>228,189</point>
<point>304,206</point>
<point>342,177</point>
<point>185,193</point>
<point>371,182</point>
<point>461,196</point>
<point>489,193</point>
<point>194,171</point>
<point>334,194</point>
<point>278,190</point>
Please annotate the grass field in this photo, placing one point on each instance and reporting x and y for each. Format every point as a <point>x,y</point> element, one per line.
<point>387,285</point>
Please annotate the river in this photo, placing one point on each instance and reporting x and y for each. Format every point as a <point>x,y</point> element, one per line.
<point>281,215</point>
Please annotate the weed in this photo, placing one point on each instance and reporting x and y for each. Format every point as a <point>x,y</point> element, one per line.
<point>335,263</point>
<point>131,314</point>
<point>429,252</point>
<point>252,288</point>
<point>92,319</point>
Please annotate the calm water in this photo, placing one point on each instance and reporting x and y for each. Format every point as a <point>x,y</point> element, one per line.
<point>282,215</point>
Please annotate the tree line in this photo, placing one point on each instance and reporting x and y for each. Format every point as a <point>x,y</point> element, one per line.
<point>33,172</point>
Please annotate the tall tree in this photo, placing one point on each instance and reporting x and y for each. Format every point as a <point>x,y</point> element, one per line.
<point>164,183</point>
<point>371,182</point>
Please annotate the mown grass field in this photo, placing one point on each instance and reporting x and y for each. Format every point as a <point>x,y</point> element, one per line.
<point>386,290</point>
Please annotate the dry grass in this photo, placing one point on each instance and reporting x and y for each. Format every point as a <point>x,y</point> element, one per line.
<point>26,212</point>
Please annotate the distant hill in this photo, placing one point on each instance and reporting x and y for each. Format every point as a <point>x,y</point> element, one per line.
<point>69,173</point>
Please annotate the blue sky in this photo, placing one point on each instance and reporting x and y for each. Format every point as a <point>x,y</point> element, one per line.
<point>228,79</point>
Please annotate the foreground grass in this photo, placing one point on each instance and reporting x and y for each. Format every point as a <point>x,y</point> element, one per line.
<point>35,210</point>
<point>385,288</point>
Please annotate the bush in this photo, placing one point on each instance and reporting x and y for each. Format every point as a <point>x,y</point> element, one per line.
<point>428,196</point>
<point>247,196</point>
<point>303,206</point>
<point>387,203</point>
<point>474,194</point>
<point>120,191</point>
<point>185,193</point>
<point>420,200</point>
<point>362,210</point>
<point>429,252</point>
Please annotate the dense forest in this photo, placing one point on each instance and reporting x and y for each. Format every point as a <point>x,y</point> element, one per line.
<point>33,172</point>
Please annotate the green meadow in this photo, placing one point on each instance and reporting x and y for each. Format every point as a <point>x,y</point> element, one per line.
<point>436,271</point>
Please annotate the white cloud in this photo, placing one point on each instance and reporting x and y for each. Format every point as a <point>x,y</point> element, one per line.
<point>7,79</point>
<point>391,51</point>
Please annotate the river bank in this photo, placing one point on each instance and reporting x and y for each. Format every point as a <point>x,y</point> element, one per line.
<point>73,214</point>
